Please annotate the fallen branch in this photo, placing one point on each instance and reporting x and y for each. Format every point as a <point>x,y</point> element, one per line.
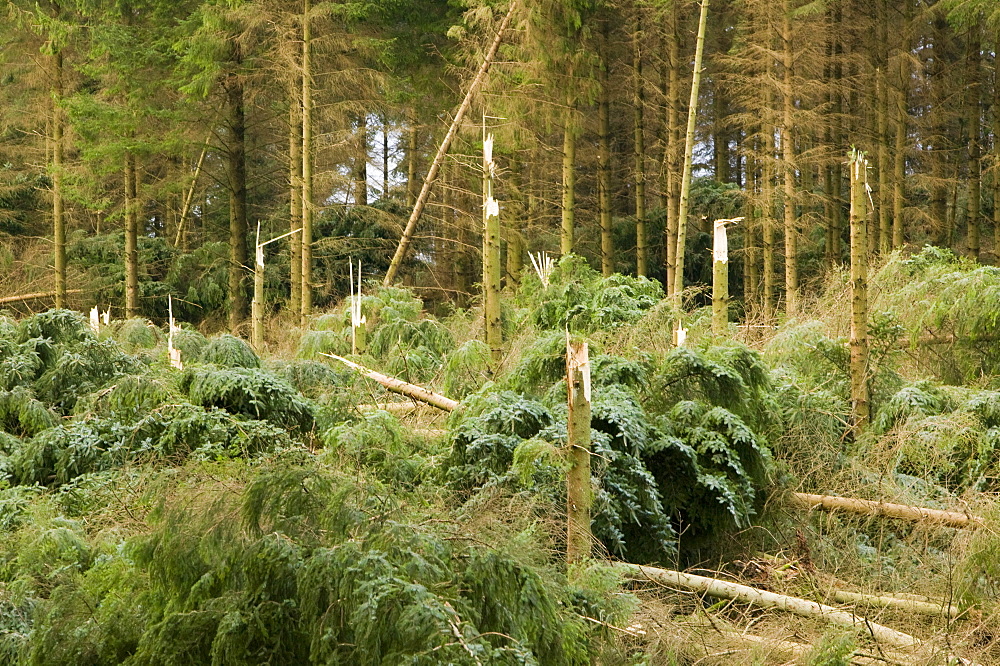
<point>901,511</point>
<point>764,599</point>
<point>31,297</point>
<point>401,387</point>
<point>897,603</point>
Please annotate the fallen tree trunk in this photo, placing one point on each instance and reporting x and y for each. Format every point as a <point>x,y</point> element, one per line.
<point>888,510</point>
<point>897,603</point>
<point>36,295</point>
<point>764,599</point>
<point>401,387</point>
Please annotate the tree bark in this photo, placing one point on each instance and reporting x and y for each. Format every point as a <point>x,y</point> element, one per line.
<point>888,510</point>
<point>682,208</point>
<point>899,150</point>
<point>788,158</point>
<point>639,169</point>
<point>973,90</point>
<point>860,396</point>
<point>767,218</point>
<point>131,238</point>
<point>491,260</point>
<point>58,221</point>
<point>295,198</point>
<point>361,162</point>
<point>882,129</point>
<point>673,179</point>
<point>579,495</point>
<point>307,166</point>
<point>568,181</point>
<point>237,176</point>
<point>604,161</point>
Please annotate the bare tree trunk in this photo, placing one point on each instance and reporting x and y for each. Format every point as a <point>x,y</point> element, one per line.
<point>418,206</point>
<point>361,163</point>
<point>673,144</point>
<point>579,495</point>
<point>237,176</point>
<point>641,258</point>
<point>307,165</point>
<point>568,181</point>
<point>604,162</point>
<point>58,221</point>
<point>131,238</point>
<point>899,155</point>
<point>295,199</point>
<point>411,161</point>
<point>882,129</point>
<point>682,208</point>
<point>975,151</point>
<point>767,218</point>
<point>859,293</point>
<point>788,157</point>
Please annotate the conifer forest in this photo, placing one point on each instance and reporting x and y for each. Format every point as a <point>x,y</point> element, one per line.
<point>536,332</point>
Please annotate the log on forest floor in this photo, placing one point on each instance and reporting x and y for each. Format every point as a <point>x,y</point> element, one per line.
<point>886,509</point>
<point>401,387</point>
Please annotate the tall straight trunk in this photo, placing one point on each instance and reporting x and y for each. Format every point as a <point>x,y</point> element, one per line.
<point>568,182</point>
<point>673,170</point>
<point>295,199</point>
<point>131,238</point>
<point>767,217</point>
<point>882,130</point>
<point>751,232</point>
<point>859,294</point>
<point>307,165</point>
<point>996,156</point>
<point>788,157</point>
<point>58,221</point>
<point>361,163</point>
<point>836,222</point>
<point>639,170</point>
<point>579,496</point>
<point>412,142</point>
<point>604,162</point>
<point>236,172</point>
<point>899,149</point>
<point>385,159</point>
<point>491,259</point>
<point>682,206</point>
<point>975,151</point>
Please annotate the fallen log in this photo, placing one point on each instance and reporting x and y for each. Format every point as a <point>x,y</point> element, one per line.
<point>764,599</point>
<point>401,387</point>
<point>887,510</point>
<point>30,297</point>
<point>922,607</point>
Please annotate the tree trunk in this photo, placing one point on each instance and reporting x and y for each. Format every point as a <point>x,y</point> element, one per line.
<point>568,181</point>
<point>859,293</point>
<point>491,257</point>
<point>237,175</point>
<point>257,305</point>
<point>720,280</point>
<point>411,161</point>
<point>767,218</point>
<point>975,151</point>
<point>307,166</point>
<point>418,205</point>
<point>361,163</point>
<point>682,207</point>
<point>673,180</point>
<point>641,257</point>
<point>295,199</point>
<point>882,129</point>
<point>58,221</point>
<point>604,162</point>
<point>788,157</point>
<point>131,238</point>
<point>579,495</point>
<point>899,154</point>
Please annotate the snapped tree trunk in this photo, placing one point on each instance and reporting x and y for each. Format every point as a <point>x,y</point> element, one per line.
<point>720,278</point>
<point>682,207</point>
<point>579,495</point>
<point>257,305</point>
<point>491,254</point>
<point>859,292</point>
<point>131,238</point>
<point>418,206</point>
